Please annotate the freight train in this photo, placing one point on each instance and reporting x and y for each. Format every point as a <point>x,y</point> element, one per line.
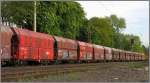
<point>20,45</point>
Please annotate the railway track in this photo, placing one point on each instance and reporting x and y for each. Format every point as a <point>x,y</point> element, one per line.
<point>18,73</point>
<point>23,72</point>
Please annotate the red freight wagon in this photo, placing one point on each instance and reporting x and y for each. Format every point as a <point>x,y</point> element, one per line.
<point>131,55</point>
<point>122,55</point>
<point>143,57</point>
<point>46,47</point>
<point>85,51</point>
<point>98,52</point>
<point>5,45</point>
<point>24,45</point>
<point>108,53</point>
<point>115,54</point>
<point>34,46</point>
<point>135,56</point>
<point>127,55</point>
<point>66,49</point>
<point>89,51</point>
<point>139,56</point>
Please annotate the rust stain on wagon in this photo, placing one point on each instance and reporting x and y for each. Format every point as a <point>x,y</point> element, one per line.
<point>6,36</point>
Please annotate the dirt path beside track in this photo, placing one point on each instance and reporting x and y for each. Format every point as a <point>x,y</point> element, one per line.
<point>103,72</point>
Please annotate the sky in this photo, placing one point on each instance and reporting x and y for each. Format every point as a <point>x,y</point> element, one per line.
<point>136,14</point>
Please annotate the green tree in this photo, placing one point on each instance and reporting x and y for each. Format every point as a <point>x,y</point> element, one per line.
<point>146,51</point>
<point>72,18</point>
<point>53,17</point>
<point>131,43</point>
<point>67,19</point>
<point>47,20</point>
<point>101,31</point>
<point>19,12</point>
<point>83,32</point>
<point>118,24</point>
<point>137,45</point>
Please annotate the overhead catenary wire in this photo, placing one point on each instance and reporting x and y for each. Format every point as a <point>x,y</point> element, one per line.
<point>106,8</point>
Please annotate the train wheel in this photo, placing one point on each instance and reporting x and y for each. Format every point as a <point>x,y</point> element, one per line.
<point>44,62</point>
<point>56,62</point>
<point>79,61</point>
<point>5,63</point>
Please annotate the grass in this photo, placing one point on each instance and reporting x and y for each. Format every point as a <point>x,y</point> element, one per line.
<point>137,64</point>
<point>77,75</point>
<point>68,77</point>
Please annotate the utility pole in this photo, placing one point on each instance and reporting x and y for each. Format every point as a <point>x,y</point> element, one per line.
<point>112,35</point>
<point>89,35</point>
<point>0,31</point>
<point>132,42</point>
<point>118,39</point>
<point>35,16</point>
<point>0,14</point>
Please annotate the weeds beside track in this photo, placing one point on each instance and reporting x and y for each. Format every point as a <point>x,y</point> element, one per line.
<point>29,72</point>
<point>14,74</point>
